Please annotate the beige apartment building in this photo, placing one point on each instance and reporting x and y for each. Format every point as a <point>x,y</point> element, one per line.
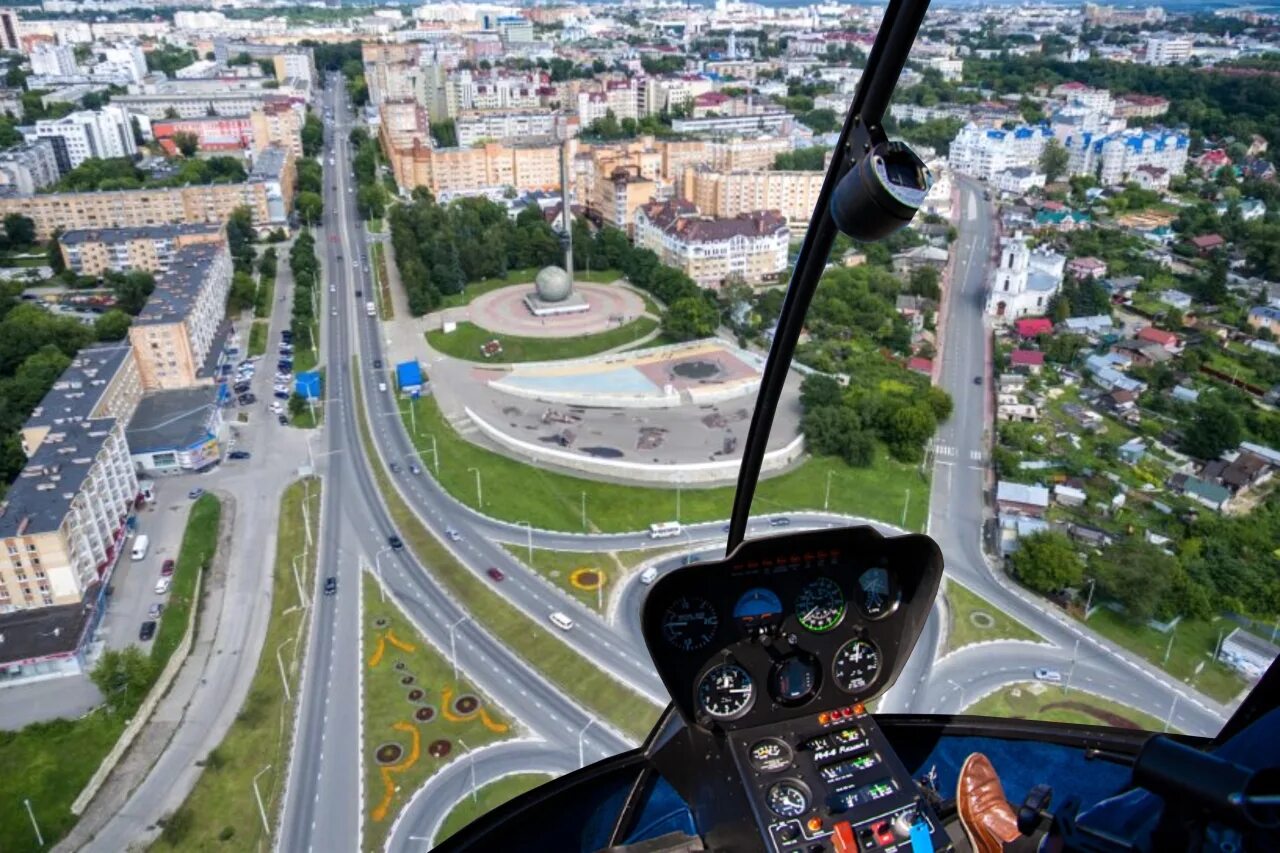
<point>173,336</point>
<point>749,247</point>
<point>268,194</point>
<point>277,125</point>
<point>728,194</point>
<point>151,248</point>
<point>617,198</point>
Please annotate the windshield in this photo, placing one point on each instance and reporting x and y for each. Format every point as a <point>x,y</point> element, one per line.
<point>362,371</point>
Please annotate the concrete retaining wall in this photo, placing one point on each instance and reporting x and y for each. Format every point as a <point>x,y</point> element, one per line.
<point>140,719</point>
<point>693,473</point>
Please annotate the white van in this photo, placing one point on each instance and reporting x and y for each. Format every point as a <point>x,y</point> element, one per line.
<point>649,575</point>
<point>665,530</point>
<point>564,623</point>
<point>140,545</point>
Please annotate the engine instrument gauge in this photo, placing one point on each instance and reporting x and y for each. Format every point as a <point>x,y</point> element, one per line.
<point>690,623</point>
<point>856,665</point>
<point>726,692</point>
<point>876,593</point>
<point>794,679</point>
<point>770,755</point>
<point>757,610</point>
<point>820,605</point>
<point>788,798</point>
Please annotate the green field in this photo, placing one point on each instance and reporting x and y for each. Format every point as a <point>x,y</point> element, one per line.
<point>264,299</point>
<point>382,284</point>
<point>258,337</point>
<point>57,758</point>
<point>221,812</point>
<point>553,501</point>
<point>465,341</point>
<point>1035,701</point>
<point>488,797</point>
<point>559,566</point>
<point>390,640</point>
<point>576,676</point>
<point>964,628</point>
<point>1194,642</point>
<point>524,275</point>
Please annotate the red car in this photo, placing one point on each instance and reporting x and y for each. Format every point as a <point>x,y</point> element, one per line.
<point>167,569</point>
<point>495,574</point>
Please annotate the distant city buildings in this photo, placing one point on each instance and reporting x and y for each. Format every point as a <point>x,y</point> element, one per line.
<point>150,248</point>
<point>86,134</point>
<point>750,248</point>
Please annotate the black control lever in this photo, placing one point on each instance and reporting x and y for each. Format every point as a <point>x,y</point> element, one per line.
<point>1034,809</point>
<point>1108,755</point>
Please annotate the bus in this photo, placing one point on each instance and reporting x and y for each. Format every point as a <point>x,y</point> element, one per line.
<point>665,530</point>
<point>140,545</point>
<point>370,309</point>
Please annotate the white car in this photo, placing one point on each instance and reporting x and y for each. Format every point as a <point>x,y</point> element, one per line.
<point>276,408</point>
<point>162,585</point>
<point>564,623</point>
<point>1050,675</point>
<point>333,288</point>
<point>649,575</point>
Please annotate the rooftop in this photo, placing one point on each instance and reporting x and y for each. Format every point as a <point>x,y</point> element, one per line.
<point>42,632</point>
<point>1022,494</point>
<point>171,420</point>
<point>680,220</point>
<point>142,232</point>
<point>269,164</point>
<point>177,289</point>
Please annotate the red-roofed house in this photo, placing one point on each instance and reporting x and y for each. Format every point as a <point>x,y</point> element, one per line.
<point>1027,360</point>
<point>1168,340</point>
<point>920,365</point>
<point>1087,267</point>
<point>1030,327</point>
<point>709,102</point>
<point>1212,160</point>
<point>1206,243</point>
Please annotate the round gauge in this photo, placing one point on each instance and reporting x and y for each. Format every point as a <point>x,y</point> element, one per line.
<point>794,679</point>
<point>876,593</point>
<point>820,605</point>
<point>788,798</point>
<point>690,622</point>
<point>770,755</point>
<point>758,608</point>
<point>726,692</point>
<point>856,665</point>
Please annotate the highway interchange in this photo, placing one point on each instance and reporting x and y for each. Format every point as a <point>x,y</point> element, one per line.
<point>323,804</point>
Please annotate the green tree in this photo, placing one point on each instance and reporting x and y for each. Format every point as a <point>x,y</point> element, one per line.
<point>124,676</point>
<point>907,429</point>
<point>1216,428</point>
<point>242,293</point>
<point>818,389</point>
<point>132,289</point>
<point>297,404</point>
<point>1138,575</point>
<point>20,230</point>
<point>924,282</point>
<point>112,326</point>
<point>312,135</point>
<point>445,133</point>
<point>310,207</point>
<point>690,318</point>
<point>188,143</point>
<point>371,201</point>
<point>1047,562</point>
<point>1053,160</point>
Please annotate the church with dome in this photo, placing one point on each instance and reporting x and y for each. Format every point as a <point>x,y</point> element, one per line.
<point>1024,281</point>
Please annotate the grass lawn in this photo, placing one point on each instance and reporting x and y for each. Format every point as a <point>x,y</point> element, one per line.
<point>465,341</point>
<point>58,757</point>
<point>24,261</point>
<point>576,676</point>
<point>199,542</point>
<point>393,652</point>
<point>375,225</point>
<point>1194,642</point>
<point>969,616</point>
<point>1035,701</point>
<point>305,358</point>
<point>559,567</point>
<point>553,501</point>
<point>386,310</point>
<point>258,337</point>
<point>221,812</point>
<point>264,300</point>
<point>524,275</point>
<point>488,798</point>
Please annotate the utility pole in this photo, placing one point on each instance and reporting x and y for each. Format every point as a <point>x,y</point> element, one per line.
<point>1168,721</point>
<point>262,811</point>
<point>284,680</point>
<point>1071,672</point>
<point>1168,650</point>
<point>36,826</point>
<point>581,752</point>
<point>906,503</point>
<point>1088,602</point>
<point>1217,649</point>
<point>584,511</point>
<point>826,498</point>
<point>474,800</point>
<point>677,503</point>
<point>479,491</point>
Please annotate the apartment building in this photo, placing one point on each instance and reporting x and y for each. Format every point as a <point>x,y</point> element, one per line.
<point>1095,100</point>
<point>10,27</point>
<point>1141,106</point>
<point>616,198</point>
<point>1168,50</point>
<point>151,248</point>
<point>984,152</point>
<point>750,247</point>
<point>173,336</point>
<point>473,127</point>
<point>28,168</point>
<point>196,98</point>
<point>63,520</point>
<point>53,60</point>
<point>268,194</point>
<point>773,122</point>
<point>76,137</point>
<point>620,97</point>
<point>278,125</point>
<point>1116,157</point>
<point>468,90</point>
<point>212,133</point>
<point>728,194</point>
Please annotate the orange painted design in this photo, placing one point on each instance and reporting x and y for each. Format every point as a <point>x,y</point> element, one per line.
<point>491,724</point>
<point>379,812</point>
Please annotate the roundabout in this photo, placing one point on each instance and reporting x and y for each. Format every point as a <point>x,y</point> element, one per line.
<point>505,312</point>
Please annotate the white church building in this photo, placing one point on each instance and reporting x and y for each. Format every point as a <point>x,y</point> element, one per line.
<point>1024,281</point>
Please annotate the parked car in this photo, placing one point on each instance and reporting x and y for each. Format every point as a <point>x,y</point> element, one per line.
<point>162,585</point>
<point>331,585</point>
<point>281,395</point>
<point>649,575</point>
<point>496,573</point>
<point>240,454</point>
<point>155,610</point>
<point>395,543</point>
<point>1050,675</point>
<point>166,569</point>
<point>284,420</point>
<point>240,387</point>
<point>195,493</point>
<point>147,631</point>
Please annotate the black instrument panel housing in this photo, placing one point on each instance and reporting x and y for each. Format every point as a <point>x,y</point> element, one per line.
<point>785,564</point>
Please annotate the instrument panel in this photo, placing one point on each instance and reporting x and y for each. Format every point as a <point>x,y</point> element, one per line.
<point>790,624</point>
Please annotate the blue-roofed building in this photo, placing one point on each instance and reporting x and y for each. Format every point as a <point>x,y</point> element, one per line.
<point>1114,158</point>
<point>409,377</point>
<point>985,152</point>
<point>1265,317</point>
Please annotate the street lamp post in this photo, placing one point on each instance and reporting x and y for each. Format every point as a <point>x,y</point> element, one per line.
<point>262,811</point>
<point>34,825</point>
<point>677,503</point>
<point>1072,671</point>
<point>584,511</point>
<point>528,527</point>
<point>581,751</point>
<point>826,498</point>
<point>1168,721</point>
<point>1168,650</point>
<point>284,680</point>
<point>475,801</point>
<point>453,645</point>
<point>1088,602</point>
<point>479,491</point>
<point>297,579</point>
<point>377,567</point>
<point>959,688</point>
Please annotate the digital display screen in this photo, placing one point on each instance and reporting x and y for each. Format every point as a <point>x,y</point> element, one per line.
<point>844,769</point>
<point>844,800</point>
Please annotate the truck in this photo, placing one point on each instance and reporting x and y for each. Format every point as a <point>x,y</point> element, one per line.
<point>665,530</point>
<point>370,309</point>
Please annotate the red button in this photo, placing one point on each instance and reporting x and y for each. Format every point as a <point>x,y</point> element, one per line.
<point>842,838</point>
<point>884,833</point>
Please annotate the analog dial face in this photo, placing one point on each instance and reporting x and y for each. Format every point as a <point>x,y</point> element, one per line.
<point>726,692</point>
<point>757,610</point>
<point>787,798</point>
<point>876,593</point>
<point>690,623</point>
<point>820,605</point>
<point>856,666</point>
<point>770,755</point>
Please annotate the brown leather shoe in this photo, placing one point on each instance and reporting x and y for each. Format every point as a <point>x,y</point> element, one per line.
<point>986,815</point>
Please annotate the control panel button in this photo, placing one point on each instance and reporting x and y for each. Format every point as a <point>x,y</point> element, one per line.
<point>842,838</point>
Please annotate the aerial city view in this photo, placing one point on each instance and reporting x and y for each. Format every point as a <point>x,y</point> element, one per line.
<point>384,390</point>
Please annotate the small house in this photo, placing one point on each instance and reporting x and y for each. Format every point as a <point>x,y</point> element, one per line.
<point>1022,499</point>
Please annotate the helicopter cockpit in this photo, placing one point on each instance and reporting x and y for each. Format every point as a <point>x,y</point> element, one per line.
<point>774,656</point>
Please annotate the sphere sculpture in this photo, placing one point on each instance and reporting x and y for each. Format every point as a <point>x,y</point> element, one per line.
<point>553,284</point>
